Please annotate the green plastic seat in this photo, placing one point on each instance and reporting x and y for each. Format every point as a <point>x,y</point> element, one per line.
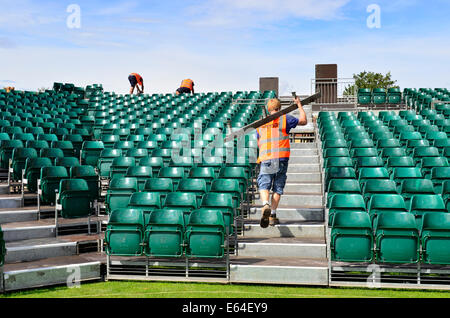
<point>165,154</point>
<point>75,199</point>
<point>378,186</point>
<point>160,185</point>
<point>338,162</point>
<point>222,202</point>
<point>237,173</point>
<point>65,146</point>
<point>141,173</point>
<point>351,237</point>
<point>120,165</point>
<point>398,162</point>
<point>387,153</point>
<point>52,153</point>
<point>336,152</point>
<point>6,150</point>
<point>164,233</point>
<point>155,162</point>
<point>423,203</point>
<point>37,144</point>
<point>334,143</point>
<point>345,202</point>
<point>435,238</point>
<point>428,163</point>
<point>187,163</point>
<point>403,173</point>
<point>88,174</point>
<point>421,152</point>
<point>110,140</point>
<point>174,173</point>
<point>119,193</point>
<point>369,162</point>
<point>363,152</point>
<point>33,171</point>
<point>145,202</point>
<point>372,173</point>
<point>230,186</point>
<point>384,203</point>
<point>438,176</point>
<point>50,178</point>
<point>90,152</point>
<point>387,143</point>
<point>342,186</point>
<point>19,157</point>
<point>182,201</point>
<point>124,235</point>
<point>411,187</point>
<point>338,173</point>
<point>67,162</point>
<point>105,161</point>
<point>397,239</point>
<point>195,186</point>
<point>205,234</point>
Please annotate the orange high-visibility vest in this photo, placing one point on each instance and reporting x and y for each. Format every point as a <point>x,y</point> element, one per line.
<point>138,78</point>
<point>273,140</point>
<point>188,83</point>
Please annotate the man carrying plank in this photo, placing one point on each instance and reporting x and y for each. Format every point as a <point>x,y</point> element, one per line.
<point>274,154</point>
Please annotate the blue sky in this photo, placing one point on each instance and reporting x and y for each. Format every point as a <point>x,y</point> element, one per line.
<point>221,44</point>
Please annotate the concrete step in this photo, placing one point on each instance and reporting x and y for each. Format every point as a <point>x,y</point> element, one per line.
<point>303,188</point>
<point>303,152</point>
<point>303,167</point>
<point>291,214</point>
<point>296,159</point>
<point>303,177</point>
<point>282,247</point>
<point>36,249</point>
<point>66,270</point>
<point>10,202</point>
<point>283,271</point>
<point>46,228</point>
<point>11,234</point>
<point>18,215</point>
<point>298,145</point>
<point>301,201</point>
<point>298,230</point>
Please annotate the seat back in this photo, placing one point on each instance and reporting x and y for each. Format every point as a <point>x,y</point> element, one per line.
<point>124,235</point>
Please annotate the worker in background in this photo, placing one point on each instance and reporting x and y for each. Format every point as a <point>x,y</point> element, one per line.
<point>187,87</point>
<point>136,80</point>
<point>274,153</point>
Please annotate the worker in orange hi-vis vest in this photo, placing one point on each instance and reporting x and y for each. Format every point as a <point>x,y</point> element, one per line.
<point>274,153</point>
<point>136,80</point>
<point>186,87</point>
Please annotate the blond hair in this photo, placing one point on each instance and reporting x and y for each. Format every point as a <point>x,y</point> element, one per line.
<point>274,105</point>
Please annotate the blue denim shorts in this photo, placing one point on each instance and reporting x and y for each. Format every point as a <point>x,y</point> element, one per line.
<point>272,176</point>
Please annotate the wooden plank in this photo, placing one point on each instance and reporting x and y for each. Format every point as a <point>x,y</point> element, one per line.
<point>272,117</point>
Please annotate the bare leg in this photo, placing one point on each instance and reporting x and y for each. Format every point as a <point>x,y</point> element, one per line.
<point>275,200</point>
<point>264,195</point>
<point>131,90</point>
<point>266,210</point>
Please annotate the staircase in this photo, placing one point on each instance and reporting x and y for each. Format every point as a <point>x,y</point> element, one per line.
<point>36,256</point>
<point>295,251</point>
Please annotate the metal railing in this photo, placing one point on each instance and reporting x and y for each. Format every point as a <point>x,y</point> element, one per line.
<point>335,91</point>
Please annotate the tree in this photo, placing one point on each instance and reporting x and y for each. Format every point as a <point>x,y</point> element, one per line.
<point>370,80</point>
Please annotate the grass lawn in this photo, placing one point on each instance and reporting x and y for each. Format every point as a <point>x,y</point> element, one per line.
<point>125,289</point>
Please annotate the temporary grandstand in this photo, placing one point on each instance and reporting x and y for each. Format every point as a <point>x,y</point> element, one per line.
<point>101,186</point>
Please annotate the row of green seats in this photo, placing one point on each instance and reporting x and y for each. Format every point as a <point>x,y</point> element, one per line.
<point>379,96</point>
<point>166,233</point>
<point>395,239</point>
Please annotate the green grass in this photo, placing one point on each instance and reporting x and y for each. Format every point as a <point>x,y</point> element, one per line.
<point>126,289</point>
